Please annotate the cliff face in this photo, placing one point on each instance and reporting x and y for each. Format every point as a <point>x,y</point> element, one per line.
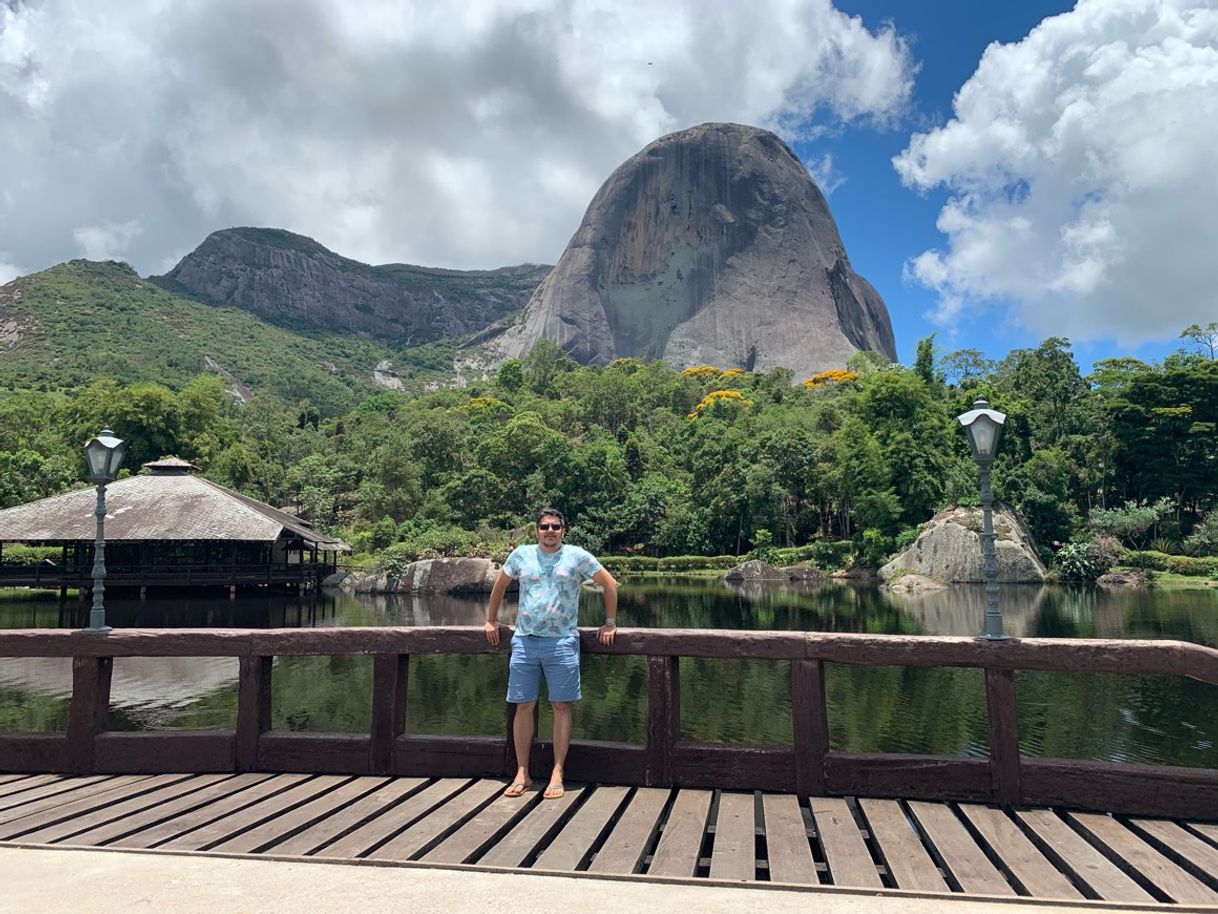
<point>710,245</point>
<point>293,280</point>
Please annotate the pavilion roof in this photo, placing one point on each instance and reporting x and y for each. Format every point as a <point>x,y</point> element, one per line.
<point>158,506</point>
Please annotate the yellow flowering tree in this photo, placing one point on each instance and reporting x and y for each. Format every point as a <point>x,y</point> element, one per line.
<point>722,403</point>
<point>831,376</point>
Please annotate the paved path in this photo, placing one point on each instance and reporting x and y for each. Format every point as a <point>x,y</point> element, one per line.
<point>87,881</point>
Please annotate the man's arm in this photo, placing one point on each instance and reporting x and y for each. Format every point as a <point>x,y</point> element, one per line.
<point>492,607</point>
<point>609,629</point>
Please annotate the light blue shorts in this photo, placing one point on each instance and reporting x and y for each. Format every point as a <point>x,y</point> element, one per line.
<point>556,658</point>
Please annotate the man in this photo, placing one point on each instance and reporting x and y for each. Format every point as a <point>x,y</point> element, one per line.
<point>546,641</point>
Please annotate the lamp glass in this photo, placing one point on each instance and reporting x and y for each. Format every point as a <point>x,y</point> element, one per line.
<point>104,455</point>
<point>983,434</point>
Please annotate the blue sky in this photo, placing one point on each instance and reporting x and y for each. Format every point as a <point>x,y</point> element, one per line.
<point>1000,172</point>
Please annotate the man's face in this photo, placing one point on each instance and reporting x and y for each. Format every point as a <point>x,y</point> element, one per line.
<point>549,531</point>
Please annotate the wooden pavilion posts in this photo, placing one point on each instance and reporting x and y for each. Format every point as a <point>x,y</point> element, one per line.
<point>809,765</point>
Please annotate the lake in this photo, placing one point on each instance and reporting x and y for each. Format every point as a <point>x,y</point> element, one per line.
<point>1148,719</point>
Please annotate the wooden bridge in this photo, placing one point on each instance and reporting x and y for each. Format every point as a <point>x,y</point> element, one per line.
<point>798,814</point>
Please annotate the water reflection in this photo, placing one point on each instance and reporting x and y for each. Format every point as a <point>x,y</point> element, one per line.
<point>889,709</point>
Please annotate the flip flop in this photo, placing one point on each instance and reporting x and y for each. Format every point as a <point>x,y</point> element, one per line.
<point>516,788</point>
<point>554,792</point>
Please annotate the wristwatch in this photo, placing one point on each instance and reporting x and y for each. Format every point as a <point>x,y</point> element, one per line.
<point>610,623</point>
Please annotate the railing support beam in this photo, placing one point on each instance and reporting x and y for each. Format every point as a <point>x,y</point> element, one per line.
<point>810,719</point>
<point>1003,714</point>
<point>87,712</point>
<point>389,677</point>
<point>663,719</point>
<point>253,709</point>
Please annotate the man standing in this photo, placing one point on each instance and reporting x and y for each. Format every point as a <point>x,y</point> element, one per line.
<point>546,641</point>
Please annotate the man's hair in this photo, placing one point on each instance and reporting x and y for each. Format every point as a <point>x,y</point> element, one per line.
<point>551,512</point>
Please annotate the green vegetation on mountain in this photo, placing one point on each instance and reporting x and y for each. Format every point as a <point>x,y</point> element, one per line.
<point>648,460</point>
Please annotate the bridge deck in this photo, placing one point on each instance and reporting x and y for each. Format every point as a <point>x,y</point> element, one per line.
<point>720,834</point>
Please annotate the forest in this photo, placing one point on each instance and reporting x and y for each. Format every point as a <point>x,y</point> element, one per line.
<point>647,460</point>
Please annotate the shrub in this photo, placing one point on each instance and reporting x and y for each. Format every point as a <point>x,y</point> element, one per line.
<point>1082,560</point>
<point>17,554</point>
<point>905,539</point>
<point>763,548</point>
<point>830,555</point>
<point>1204,539</point>
<point>876,548</point>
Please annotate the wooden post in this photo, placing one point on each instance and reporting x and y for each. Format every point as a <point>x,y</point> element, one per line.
<point>253,709</point>
<point>810,724</point>
<point>1002,710</point>
<point>87,712</point>
<point>663,719</point>
<point>389,677</point>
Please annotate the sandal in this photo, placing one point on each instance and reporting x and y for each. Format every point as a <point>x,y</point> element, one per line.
<point>517,788</point>
<point>554,792</point>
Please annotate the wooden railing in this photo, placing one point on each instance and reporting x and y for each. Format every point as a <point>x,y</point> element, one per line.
<point>807,766</point>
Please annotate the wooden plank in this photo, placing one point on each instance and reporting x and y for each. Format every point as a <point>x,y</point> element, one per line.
<point>475,835</point>
<point>173,787</point>
<point>1039,877</point>
<point>19,783</point>
<point>39,814</point>
<point>569,848</point>
<point>733,767</point>
<point>419,836</point>
<point>9,778</point>
<point>1121,788</point>
<point>217,809</point>
<point>1067,847</point>
<point>810,725</point>
<point>908,776</point>
<point>162,812</point>
<point>1174,882</point>
<point>788,851</point>
<point>958,852</point>
<point>514,848</point>
<point>294,820</point>
<point>680,845</point>
<point>218,830</point>
<point>734,852</point>
<point>1180,845</point>
<point>57,786</point>
<point>663,719</point>
<point>846,853</point>
<point>316,836</point>
<point>623,850</point>
<point>910,866</point>
<point>394,819</point>
<point>1205,828</point>
<point>1003,723</point>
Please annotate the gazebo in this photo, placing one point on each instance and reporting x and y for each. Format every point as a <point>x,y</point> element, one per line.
<point>167,527</point>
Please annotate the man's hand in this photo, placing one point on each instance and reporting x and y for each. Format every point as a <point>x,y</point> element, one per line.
<point>606,633</point>
<point>492,632</point>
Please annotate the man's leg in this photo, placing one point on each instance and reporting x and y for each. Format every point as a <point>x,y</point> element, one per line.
<point>524,681</point>
<point>562,741</point>
<point>522,739</point>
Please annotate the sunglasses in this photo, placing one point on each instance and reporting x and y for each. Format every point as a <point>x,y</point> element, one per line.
<point>549,526</point>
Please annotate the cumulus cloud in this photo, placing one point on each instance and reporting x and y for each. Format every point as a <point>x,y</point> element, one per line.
<point>825,174</point>
<point>462,135</point>
<point>1079,168</point>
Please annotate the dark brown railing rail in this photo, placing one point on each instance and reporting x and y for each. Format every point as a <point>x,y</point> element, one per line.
<point>807,766</point>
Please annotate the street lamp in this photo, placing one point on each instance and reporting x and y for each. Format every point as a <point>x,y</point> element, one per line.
<point>103,454</point>
<point>984,428</point>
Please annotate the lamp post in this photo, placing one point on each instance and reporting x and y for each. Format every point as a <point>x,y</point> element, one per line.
<point>104,454</point>
<point>984,428</point>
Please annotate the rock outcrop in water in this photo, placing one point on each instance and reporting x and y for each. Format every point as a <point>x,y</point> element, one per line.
<point>711,245</point>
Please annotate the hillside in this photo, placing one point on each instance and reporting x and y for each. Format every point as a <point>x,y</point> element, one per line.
<point>294,281</point>
<point>82,320</point>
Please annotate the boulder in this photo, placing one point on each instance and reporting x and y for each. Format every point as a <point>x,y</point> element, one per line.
<point>1129,579</point>
<point>803,573</point>
<point>949,549</point>
<point>755,570</point>
<point>448,576</point>
<point>714,246</point>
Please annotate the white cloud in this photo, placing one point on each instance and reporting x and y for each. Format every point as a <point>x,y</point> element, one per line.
<point>1080,172</point>
<point>464,135</point>
<point>9,272</point>
<point>106,241</point>
<point>826,176</point>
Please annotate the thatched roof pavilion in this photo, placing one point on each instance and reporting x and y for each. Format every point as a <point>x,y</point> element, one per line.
<point>169,526</point>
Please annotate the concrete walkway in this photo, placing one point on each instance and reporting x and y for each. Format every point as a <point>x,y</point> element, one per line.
<point>90,881</point>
